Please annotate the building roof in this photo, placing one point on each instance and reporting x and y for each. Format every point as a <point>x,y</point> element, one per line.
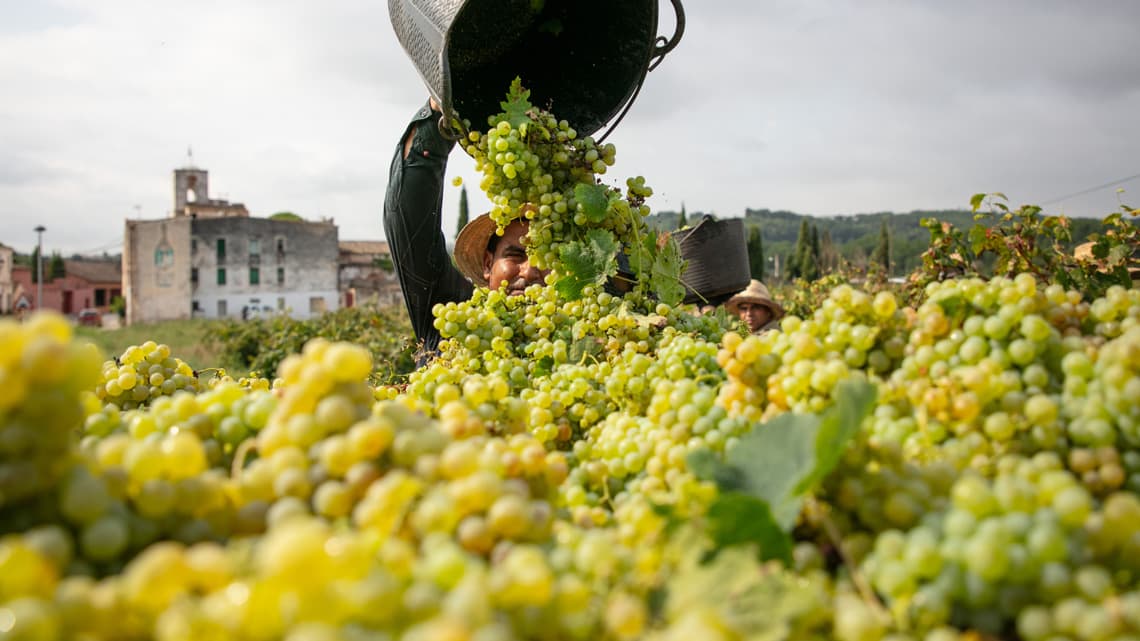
<point>95,271</point>
<point>371,247</point>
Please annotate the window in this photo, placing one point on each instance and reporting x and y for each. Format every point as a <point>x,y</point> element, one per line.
<point>254,276</point>
<point>193,275</point>
<point>221,275</point>
<point>222,309</point>
<point>254,246</point>
<point>194,245</point>
<point>280,245</point>
<point>316,305</point>
<point>221,250</point>
<point>280,275</point>
<point>100,297</point>
<point>195,306</point>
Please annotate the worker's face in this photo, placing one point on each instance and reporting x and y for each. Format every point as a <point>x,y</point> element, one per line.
<point>756,316</point>
<point>509,263</point>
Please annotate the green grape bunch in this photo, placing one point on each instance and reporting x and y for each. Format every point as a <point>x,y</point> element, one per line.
<point>537,168</point>
<point>143,373</point>
<point>43,374</point>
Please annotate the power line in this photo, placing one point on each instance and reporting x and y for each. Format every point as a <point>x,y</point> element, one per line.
<point>1090,189</point>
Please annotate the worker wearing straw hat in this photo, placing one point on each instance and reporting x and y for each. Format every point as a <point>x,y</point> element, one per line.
<point>413,215</point>
<point>756,307</point>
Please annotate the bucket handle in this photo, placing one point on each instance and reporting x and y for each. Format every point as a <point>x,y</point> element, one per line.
<point>665,45</point>
<point>662,46</point>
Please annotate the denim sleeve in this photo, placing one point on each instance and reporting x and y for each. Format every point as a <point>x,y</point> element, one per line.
<point>413,215</point>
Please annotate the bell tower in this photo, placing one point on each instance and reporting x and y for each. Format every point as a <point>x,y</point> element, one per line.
<point>191,185</point>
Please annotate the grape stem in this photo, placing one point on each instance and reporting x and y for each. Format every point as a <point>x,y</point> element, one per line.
<point>857,577</point>
<point>239,457</point>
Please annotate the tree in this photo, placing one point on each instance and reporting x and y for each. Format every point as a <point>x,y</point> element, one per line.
<point>828,258</point>
<point>286,215</point>
<point>462,222</point>
<point>682,220</point>
<point>809,261</point>
<point>756,252</point>
<point>882,253</point>
<point>802,252</point>
<point>57,268</point>
<point>815,252</point>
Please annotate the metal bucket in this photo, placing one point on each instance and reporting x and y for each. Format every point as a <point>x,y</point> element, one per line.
<point>582,59</point>
<point>716,253</point>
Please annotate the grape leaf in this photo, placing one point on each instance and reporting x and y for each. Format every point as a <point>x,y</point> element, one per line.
<point>854,401</point>
<point>978,238</point>
<point>736,518</point>
<point>517,104</point>
<point>666,276</point>
<point>753,602</point>
<point>585,346</point>
<point>593,200</point>
<point>588,262</point>
<point>780,460</point>
<point>641,256</point>
<point>774,459</point>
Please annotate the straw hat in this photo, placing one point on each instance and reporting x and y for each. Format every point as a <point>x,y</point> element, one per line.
<point>471,244</point>
<point>757,294</point>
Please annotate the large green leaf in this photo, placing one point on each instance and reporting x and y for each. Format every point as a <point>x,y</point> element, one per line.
<point>736,518</point>
<point>781,460</point>
<point>854,401</point>
<point>587,262</point>
<point>667,266</point>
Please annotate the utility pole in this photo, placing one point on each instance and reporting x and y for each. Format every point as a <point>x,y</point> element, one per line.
<point>40,229</point>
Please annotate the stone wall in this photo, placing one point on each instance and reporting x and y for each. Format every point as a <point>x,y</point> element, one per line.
<point>156,269</point>
<point>295,263</point>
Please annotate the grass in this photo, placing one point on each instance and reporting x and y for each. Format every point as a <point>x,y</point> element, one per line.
<point>189,340</point>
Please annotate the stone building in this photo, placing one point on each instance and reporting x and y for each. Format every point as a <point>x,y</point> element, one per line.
<point>7,287</point>
<point>211,259</point>
<point>366,274</point>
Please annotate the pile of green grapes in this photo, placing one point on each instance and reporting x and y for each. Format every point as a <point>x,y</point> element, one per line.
<point>534,480</point>
<point>547,475</point>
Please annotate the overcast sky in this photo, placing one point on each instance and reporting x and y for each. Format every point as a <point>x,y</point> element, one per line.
<point>816,106</point>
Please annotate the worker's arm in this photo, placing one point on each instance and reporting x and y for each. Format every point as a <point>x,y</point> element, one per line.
<point>412,224</point>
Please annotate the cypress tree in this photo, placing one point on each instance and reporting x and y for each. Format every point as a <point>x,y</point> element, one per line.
<point>756,252</point>
<point>882,253</point>
<point>815,254</point>
<point>683,219</point>
<point>462,222</point>
<point>802,253</point>
<point>57,268</point>
<point>828,261</point>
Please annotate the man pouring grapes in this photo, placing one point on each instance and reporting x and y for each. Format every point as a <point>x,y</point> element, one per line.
<point>412,224</point>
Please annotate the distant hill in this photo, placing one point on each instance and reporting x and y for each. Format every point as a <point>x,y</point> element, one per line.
<point>857,235</point>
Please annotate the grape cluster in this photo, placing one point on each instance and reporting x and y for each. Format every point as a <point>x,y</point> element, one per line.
<point>533,166</point>
<point>42,373</point>
<point>143,373</point>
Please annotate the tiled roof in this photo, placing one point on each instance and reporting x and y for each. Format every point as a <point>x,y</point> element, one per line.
<point>363,246</point>
<point>95,271</point>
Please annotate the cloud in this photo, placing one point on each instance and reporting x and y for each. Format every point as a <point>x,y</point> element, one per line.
<point>822,106</point>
